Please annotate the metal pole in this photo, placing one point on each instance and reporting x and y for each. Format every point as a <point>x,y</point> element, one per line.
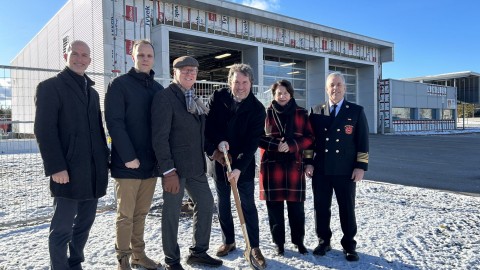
<point>464,103</point>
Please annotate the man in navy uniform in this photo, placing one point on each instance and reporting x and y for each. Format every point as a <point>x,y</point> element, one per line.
<point>340,160</point>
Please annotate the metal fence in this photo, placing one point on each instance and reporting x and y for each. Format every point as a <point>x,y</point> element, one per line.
<point>24,193</point>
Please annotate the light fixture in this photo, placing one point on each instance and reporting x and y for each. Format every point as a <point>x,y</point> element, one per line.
<point>287,64</point>
<point>230,66</point>
<point>222,55</point>
<point>294,72</point>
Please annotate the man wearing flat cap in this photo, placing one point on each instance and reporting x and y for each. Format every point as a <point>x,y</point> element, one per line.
<point>178,123</point>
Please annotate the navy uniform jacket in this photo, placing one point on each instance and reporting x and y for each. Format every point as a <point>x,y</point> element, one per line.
<point>340,146</point>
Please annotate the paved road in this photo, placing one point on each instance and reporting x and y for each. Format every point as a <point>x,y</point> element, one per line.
<point>446,162</point>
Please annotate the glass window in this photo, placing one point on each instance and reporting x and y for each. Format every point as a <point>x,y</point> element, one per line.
<point>299,84</point>
<point>276,68</point>
<point>447,114</point>
<point>425,114</point>
<point>268,81</point>
<point>401,113</point>
<point>352,97</point>
<point>299,94</point>
<point>269,71</point>
<point>350,79</point>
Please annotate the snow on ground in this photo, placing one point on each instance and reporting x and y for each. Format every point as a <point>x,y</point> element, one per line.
<point>398,228</point>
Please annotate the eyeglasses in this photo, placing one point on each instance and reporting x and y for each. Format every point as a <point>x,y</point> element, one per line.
<point>189,71</point>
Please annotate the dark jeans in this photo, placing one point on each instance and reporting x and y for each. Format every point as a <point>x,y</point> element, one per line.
<point>344,187</point>
<point>69,229</point>
<point>246,189</point>
<point>296,219</point>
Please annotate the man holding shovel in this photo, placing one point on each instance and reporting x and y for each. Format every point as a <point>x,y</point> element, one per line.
<point>235,123</point>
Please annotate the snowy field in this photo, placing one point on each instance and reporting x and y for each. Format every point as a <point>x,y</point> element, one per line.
<point>399,227</point>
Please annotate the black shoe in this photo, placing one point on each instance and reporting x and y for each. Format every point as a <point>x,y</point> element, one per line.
<point>280,249</point>
<point>203,259</point>
<point>351,256</point>
<point>322,249</point>
<point>176,266</point>
<point>302,249</point>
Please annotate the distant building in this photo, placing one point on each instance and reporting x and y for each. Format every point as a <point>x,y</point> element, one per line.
<point>411,106</point>
<point>218,33</point>
<point>466,82</point>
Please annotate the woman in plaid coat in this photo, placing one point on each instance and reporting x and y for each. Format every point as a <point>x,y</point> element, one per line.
<point>287,134</point>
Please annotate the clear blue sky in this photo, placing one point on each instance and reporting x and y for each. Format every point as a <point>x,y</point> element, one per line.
<point>430,36</point>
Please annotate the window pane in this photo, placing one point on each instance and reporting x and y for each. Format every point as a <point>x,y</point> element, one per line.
<point>299,84</point>
<point>448,114</point>
<point>299,94</point>
<point>269,70</point>
<point>350,79</point>
<point>401,113</point>
<point>425,114</point>
<point>268,81</point>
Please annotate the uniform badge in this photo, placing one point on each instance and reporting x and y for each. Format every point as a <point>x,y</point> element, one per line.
<point>348,129</point>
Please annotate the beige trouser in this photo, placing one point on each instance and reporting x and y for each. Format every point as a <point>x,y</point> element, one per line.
<point>134,198</point>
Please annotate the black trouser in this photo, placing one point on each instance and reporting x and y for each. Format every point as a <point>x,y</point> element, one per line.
<point>246,190</point>
<point>344,187</point>
<point>69,229</point>
<point>296,219</point>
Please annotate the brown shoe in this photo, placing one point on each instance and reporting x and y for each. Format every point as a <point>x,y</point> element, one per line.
<point>123,263</point>
<point>258,257</point>
<point>224,249</point>
<point>146,263</point>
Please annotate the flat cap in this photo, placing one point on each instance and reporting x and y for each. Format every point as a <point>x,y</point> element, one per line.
<point>185,61</point>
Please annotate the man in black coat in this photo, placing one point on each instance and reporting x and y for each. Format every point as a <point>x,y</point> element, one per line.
<point>69,131</point>
<point>134,166</point>
<point>340,160</point>
<point>236,121</point>
<point>178,124</point>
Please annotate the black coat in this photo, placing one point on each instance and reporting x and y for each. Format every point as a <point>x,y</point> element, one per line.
<point>242,129</point>
<point>70,136</point>
<point>127,112</point>
<point>177,134</point>
<point>340,146</point>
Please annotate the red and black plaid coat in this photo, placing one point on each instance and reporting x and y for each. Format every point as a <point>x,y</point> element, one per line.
<point>281,174</point>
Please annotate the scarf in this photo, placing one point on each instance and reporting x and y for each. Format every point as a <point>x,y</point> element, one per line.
<point>284,117</point>
<point>194,104</point>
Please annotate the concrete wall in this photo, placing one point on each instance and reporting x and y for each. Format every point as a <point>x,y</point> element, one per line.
<point>317,71</point>
<point>367,94</point>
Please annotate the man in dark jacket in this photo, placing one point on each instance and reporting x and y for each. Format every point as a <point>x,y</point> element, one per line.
<point>178,123</point>
<point>236,122</point>
<point>71,139</point>
<point>341,158</point>
<point>127,112</point>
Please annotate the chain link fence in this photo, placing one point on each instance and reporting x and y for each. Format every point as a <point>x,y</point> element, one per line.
<point>24,189</point>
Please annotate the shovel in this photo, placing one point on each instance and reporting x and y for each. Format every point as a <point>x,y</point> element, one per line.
<point>248,249</point>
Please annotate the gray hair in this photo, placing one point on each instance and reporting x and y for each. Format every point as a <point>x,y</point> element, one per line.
<point>335,74</point>
<point>245,69</point>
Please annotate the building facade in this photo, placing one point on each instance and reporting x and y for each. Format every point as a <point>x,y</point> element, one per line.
<point>411,106</point>
<point>219,34</point>
<point>466,82</point>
